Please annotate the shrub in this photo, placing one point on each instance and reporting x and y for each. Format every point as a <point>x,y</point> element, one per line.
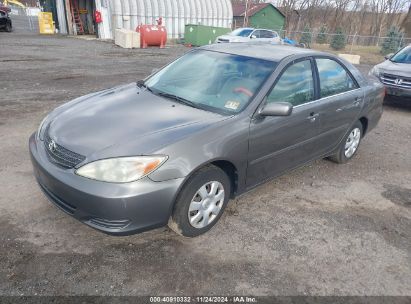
<point>322,37</point>
<point>338,41</point>
<point>306,37</point>
<point>392,43</point>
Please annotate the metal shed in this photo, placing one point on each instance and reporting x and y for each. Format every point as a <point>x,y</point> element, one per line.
<point>175,13</point>
<point>260,15</point>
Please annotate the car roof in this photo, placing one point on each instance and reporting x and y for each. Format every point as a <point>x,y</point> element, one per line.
<point>254,29</point>
<point>266,51</point>
<point>263,29</point>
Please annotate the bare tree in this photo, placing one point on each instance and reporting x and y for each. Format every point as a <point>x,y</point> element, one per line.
<point>361,17</point>
<point>406,24</point>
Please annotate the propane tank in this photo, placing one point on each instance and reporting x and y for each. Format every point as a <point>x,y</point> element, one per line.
<point>152,35</point>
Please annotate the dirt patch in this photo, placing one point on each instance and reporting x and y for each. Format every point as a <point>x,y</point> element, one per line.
<point>67,77</point>
<point>26,60</point>
<point>398,195</point>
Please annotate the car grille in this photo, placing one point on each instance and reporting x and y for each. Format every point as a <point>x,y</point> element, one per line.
<point>60,155</point>
<point>109,224</point>
<point>221,40</point>
<point>396,81</point>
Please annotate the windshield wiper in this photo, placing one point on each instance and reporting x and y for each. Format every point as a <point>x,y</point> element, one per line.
<point>178,99</point>
<point>142,84</point>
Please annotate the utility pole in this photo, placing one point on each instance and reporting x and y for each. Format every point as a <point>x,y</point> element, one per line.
<point>299,19</point>
<point>298,23</point>
<point>246,13</point>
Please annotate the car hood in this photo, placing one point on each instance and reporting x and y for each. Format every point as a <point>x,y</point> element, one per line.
<point>114,121</point>
<point>231,37</point>
<point>398,69</point>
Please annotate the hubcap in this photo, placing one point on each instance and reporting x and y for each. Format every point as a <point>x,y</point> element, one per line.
<point>352,142</point>
<point>206,204</point>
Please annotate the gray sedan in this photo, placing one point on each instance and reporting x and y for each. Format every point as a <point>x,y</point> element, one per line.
<point>220,120</point>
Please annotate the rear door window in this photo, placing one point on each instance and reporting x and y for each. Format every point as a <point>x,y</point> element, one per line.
<point>257,34</point>
<point>266,34</point>
<point>334,78</point>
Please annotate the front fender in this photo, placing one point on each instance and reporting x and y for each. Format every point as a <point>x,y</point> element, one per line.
<point>226,140</point>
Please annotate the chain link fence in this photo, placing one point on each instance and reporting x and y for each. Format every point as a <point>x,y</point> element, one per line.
<point>24,19</point>
<point>350,40</point>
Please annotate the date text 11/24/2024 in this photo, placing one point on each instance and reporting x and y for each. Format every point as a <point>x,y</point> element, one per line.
<point>203,299</point>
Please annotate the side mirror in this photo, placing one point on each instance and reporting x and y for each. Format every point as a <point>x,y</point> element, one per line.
<point>253,37</point>
<point>277,109</point>
<point>388,56</point>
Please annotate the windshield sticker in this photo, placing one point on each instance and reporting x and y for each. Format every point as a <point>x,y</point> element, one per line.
<point>232,105</point>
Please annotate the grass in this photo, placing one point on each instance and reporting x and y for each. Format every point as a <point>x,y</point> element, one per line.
<point>369,54</point>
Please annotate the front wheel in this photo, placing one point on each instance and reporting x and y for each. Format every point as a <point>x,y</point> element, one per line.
<point>201,202</point>
<point>8,27</point>
<point>349,144</point>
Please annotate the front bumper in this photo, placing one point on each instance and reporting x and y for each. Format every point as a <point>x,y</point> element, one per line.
<point>117,209</point>
<point>397,91</point>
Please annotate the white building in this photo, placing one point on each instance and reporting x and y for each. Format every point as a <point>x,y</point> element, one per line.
<point>130,13</point>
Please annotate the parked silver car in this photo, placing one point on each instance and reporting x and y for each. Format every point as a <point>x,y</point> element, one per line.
<point>247,34</point>
<point>215,123</point>
<point>395,73</point>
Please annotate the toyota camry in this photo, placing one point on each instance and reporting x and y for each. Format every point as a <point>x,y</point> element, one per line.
<point>175,147</point>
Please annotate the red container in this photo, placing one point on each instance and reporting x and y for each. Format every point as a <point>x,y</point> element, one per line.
<point>152,35</point>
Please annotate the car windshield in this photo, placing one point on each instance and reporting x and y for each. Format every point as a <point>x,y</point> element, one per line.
<point>241,32</point>
<point>214,81</point>
<point>403,56</point>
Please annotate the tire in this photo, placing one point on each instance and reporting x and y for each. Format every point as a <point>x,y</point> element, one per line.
<point>8,28</point>
<point>202,204</point>
<point>354,136</point>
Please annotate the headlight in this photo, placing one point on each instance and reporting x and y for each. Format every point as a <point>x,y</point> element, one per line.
<point>121,169</point>
<point>40,129</point>
<point>375,71</point>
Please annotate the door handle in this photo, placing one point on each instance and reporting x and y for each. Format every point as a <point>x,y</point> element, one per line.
<point>357,101</point>
<point>313,117</point>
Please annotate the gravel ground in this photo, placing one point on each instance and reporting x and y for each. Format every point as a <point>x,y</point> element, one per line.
<point>323,229</point>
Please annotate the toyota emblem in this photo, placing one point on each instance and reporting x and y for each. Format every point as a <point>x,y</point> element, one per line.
<point>52,146</point>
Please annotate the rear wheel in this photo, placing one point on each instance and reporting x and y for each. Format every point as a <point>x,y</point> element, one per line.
<point>201,202</point>
<point>349,144</point>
